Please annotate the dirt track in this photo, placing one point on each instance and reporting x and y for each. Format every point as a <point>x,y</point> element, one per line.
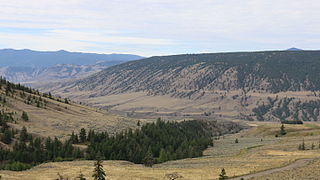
<point>295,164</point>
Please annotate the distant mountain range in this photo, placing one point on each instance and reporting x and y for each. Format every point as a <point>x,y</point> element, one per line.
<point>294,49</point>
<point>29,58</point>
<point>26,66</point>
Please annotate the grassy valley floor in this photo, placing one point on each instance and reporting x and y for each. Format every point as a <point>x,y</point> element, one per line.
<point>258,149</point>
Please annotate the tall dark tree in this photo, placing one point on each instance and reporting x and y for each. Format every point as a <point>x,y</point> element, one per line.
<point>82,135</point>
<point>25,116</point>
<point>98,173</point>
<point>223,175</point>
<point>23,134</point>
<point>282,130</point>
<point>148,159</point>
<point>6,137</point>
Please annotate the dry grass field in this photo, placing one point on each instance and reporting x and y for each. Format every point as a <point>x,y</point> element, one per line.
<point>258,149</point>
<point>226,104</point>
<point>60,119</point>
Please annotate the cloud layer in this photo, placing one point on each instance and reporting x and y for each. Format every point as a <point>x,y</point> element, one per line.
<point>153,27</point>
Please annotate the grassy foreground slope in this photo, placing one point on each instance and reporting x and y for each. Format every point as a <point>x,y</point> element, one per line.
<point>52,116</point>
<point>258,149</point>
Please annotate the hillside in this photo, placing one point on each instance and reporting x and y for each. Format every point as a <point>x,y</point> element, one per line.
<point>222,84</point>
<point>184,75</point>
<point>53,116</point>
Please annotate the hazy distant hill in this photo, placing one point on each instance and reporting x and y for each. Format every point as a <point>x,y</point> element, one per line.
<point>25,66</point>
<point>53,73</point>
<point>29,58</point>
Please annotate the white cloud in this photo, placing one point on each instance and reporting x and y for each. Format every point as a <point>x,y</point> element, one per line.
<point>158,23</point>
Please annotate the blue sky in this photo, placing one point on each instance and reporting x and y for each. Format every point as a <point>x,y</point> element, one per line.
<point>159,27</point>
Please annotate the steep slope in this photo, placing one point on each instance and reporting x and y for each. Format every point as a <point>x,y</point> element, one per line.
<point>53,116</point>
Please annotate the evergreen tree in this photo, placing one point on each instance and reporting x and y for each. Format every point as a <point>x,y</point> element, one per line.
<point>302,146</point>
<point>82,135</point>
<point>81,176</point>
<point>163,157</point>
<point>25,116</point>
<point>23,134</point>
<point>236,141</point>
<point>6,138</point>
<point>223,175</point>
<point>282,130</point>
<point>98,173</point>
<point>66,101</point>
<point>148,159</point>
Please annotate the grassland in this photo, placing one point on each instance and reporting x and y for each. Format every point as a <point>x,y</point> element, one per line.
<point>258,149</point>
<point>60,119</point>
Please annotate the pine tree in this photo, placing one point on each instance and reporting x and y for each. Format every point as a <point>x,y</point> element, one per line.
<point>236,141</point>
<point>98,173</point>
<point>163,157</point>
<point>81,176</point>
<point>6,138</point>
<point>222,175</point>
<point>25,116</point>
<point>23,134</point>
<point>148,160</point>
<point>82,135</point>
<point>66,101</point>
<point>282,130</point>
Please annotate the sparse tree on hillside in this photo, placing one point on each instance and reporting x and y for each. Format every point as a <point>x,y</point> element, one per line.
<point>282,130</point>
<point>98,173</point>
<point>223,175</point>
<point>302,146</point>
<point>25,116</point>
<point>81,176</point>
<point>66,101</point>
<point>236,141</point>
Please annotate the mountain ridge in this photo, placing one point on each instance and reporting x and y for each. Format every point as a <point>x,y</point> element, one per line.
<point>30,58</point>
<point>272,71</point>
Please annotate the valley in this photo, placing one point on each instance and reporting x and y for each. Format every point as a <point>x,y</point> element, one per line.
<point>175,112</point>
<point>258,149</point>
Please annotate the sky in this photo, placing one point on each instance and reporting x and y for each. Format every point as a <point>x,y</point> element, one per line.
<point>159,27</point>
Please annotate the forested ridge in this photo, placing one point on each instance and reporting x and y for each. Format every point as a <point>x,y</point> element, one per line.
<point>185,75</point>
<point>288,110</point>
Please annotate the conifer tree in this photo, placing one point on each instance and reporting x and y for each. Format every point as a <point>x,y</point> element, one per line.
<point>282,130</point>
<point>223,175</point>
<point>25,116</point>
<point>148,159</point>
<point>98,173</point>
<point>6,138</point>
<point>83,135</point>
<point>23,134</point>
